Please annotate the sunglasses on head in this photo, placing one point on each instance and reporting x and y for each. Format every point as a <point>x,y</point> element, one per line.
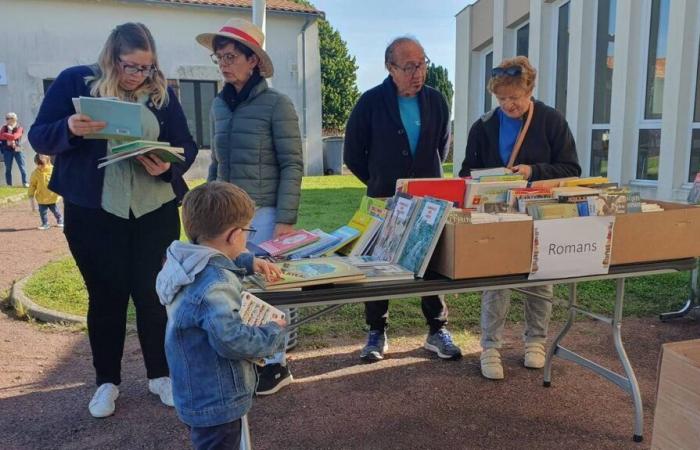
<point>513,71</point>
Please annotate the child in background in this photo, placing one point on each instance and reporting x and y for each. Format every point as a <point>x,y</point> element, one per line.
<point>39,190</point>
<point>209,349</point>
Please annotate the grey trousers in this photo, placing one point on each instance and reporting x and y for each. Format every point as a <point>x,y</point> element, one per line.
<point>494,309</point>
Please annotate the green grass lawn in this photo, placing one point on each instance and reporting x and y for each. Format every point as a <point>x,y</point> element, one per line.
<point>11,191</point>
<point>329,202</point>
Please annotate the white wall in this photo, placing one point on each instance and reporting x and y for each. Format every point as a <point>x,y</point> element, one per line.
<point>72,32</point>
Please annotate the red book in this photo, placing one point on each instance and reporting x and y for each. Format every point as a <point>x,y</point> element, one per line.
<point>450,189</point>
<point>288,242</point>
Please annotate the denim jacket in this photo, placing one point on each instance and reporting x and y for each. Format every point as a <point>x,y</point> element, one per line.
<point>208,347</point>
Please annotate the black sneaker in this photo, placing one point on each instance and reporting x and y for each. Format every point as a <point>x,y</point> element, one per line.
<point>272,378</point>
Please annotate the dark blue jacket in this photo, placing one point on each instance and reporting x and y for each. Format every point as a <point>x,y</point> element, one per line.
<point>376,146</point>
<point>75,174</point>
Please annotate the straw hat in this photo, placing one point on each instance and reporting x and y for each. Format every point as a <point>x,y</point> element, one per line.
<point>247,34</point>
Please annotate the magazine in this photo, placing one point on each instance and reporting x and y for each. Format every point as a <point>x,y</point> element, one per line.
<point>424,234</point>
<point>256,312</point>
<point>136,148</point>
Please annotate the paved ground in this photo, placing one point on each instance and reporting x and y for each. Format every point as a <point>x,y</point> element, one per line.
<point>409,400</point>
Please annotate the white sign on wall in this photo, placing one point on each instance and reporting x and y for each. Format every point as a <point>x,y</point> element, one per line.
<point>563,248</point>
<point>3,75</point>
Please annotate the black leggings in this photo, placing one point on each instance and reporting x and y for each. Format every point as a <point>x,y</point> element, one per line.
<point>119,259</point>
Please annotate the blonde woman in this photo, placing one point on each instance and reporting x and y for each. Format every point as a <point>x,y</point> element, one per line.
<point>118,220</point>
<point>547,151</point>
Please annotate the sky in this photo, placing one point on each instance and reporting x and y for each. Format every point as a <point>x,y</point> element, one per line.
<point>369,25</point>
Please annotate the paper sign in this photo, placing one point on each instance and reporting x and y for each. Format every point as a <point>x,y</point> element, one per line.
<point>3,75</point>
<point>563,248</point>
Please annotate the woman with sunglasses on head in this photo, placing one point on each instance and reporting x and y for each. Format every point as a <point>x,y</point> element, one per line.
<point>256,145</point>
<point>534,140</point>
<point>118,220</point>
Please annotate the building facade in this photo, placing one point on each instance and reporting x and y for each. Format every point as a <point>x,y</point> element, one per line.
<point>625,73</point>
<point>42,37</point>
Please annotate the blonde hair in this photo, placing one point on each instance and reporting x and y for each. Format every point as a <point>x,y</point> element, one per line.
<point>211,208</point>
<point>125,39</point>
<point>41,160</point>
<point>526,79</point>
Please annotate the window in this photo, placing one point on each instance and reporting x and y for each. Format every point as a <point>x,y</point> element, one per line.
<point>599,152</point>
<point>196,98</point>
<point>522,40</point>
<point>562,68</point>
<point>656,59</point>
<point>648,156</point>
<point>47,83</point>
<point>695,133</point>
<point>488,65</point>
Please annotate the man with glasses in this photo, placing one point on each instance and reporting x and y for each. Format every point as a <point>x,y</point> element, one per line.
<point>400,129</point>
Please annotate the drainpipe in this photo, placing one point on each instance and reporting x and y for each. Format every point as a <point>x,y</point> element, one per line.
<point>307,22</point>
<point>259,16</point>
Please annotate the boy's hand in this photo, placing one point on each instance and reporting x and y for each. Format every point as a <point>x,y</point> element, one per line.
<point>270,271</point>
<point>283,228</point>
<point>281,322</point>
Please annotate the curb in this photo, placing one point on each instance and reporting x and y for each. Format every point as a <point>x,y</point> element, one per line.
<point>24,306</point>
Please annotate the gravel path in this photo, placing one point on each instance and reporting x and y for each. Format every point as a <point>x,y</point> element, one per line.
<point>410,400</point>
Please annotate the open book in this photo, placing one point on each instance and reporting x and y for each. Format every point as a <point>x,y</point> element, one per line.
<point>311,271</point>
<point>256,312</point>
<point>123,118</point>
<point>135,148</point>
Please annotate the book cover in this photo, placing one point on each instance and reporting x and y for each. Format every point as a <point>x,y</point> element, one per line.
<point>552,182</point>
<point>311,271</point>
<point>256,312</point>
<point>361,261</point>
<point>346,234</point>
<point>384,272</point>
<point>424,234</point>
<point>373,206</point>
<point>367,225</point>
<point>451,189</point>
<point>394,231</point>
<point>318,248</point>
<point>288,242</point>
<point>490,192</point>
<point>123,118</point>
<point>489,172</point>
<point>586,181</point>
<point>139,147</point>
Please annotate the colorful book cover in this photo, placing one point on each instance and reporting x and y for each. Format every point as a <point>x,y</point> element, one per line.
<point>424,234</point>
<point>367,225</point>
<point>384,272</point>
<point>492,192</point>
<point>136,148</point>
<point>318,248</point>
<point>373,206</point>
<point>451,189</point>
<point>256,312</point>
<point>288,242</point>
<point>311,271</point>
<point>346,234</point>
<point>393,233</point>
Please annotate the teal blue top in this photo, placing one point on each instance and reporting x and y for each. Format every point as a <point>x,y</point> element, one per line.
<point>127,186</point>
<point>410,117</point>
<point>508,131</point>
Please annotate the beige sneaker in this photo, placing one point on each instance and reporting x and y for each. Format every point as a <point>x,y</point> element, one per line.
<point>491,366</point>
<point>102,403</point>
<point>534,355</point>
<point>163,389</point>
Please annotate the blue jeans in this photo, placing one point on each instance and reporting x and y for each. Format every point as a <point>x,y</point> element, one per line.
<point>10,155</point>
<point>226,436</point>
<point>43,213</point>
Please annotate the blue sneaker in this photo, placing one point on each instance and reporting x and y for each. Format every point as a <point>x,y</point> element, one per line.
<point>376,346</point>
<point>441,343</point>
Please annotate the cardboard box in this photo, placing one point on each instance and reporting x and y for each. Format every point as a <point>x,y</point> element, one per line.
<point>505,248</point>
<point>677,413</point>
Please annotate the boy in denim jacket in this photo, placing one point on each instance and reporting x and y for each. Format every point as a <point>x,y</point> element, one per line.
<point>209,349</point>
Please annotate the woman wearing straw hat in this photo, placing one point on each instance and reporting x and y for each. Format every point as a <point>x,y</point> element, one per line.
<point>534,140</point>
<point>256,145</point>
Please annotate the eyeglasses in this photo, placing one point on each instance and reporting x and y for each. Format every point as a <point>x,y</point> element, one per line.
<point>251,232</point>
<point>224,60</point>
<point>410,69</point>
<point>512,71</point>
<point>133,69</point>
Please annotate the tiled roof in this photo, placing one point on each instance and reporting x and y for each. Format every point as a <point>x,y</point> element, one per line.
<point>272,5</point>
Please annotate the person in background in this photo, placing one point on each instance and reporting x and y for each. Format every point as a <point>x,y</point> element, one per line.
<point>400,129</point>
<point>547,151</point>
<point>39,191</point>
<point>10,145</point>
<point>256,145</point>
<point>209,349</point>
<point>118,220</point>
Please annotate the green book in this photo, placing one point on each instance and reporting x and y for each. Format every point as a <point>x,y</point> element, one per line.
<point>135,148</point>
<point>123,118</point>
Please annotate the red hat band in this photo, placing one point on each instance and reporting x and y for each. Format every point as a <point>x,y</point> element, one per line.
<point>240,33</point>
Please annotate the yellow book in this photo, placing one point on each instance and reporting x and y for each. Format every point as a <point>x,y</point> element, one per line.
<point>585,181</point>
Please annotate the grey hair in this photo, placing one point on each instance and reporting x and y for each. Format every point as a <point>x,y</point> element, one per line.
<point>389,52</point>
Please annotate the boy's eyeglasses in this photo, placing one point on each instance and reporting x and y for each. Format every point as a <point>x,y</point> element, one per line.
<point>131,69</point>
<point>251,232</point>
<point>513,71</point>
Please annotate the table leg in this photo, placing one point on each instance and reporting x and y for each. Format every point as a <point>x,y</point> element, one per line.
<point>555,347</point>
<point>693,302</point>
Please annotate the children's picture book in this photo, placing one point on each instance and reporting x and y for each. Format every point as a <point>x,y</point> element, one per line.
<point>373,206</point>
<point>368,225</point>
<point>423,235</point>
<point>361,261</point>
<point>318,248</point>
<point>288,242</point>
<point>394,232</point>
<point>384,272</point>
<point>123,118</point>
<point>452,189</point>
<point>256,312</point>
<point>311,271</point>
<point>135,148</point>
<point>490,192</point>
<point>346,234</point>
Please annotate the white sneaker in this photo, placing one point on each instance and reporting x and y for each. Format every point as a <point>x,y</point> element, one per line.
<point>534,355</point>
<point>102,403</point>
<point>162,388</point>
<point>491,366</point>
<point>43,227</point>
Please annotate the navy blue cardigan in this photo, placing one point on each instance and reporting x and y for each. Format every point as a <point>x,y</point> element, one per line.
<point>75,174</point>
<point>548,147</point>
<point>376,146</point>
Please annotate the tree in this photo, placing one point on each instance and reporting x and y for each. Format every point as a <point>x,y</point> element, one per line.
<point>437,78</point>
<point>339,91</point>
